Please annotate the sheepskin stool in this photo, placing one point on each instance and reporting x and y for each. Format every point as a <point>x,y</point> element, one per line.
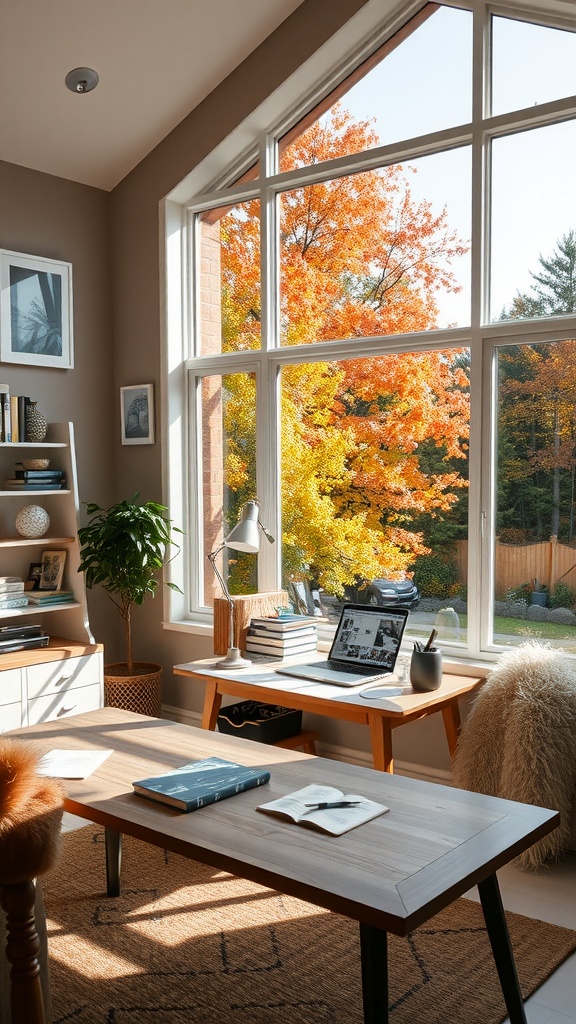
<point>519,741</point>
<point>30,826</point>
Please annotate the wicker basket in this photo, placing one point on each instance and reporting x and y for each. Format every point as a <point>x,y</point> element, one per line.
<point>139,690</point>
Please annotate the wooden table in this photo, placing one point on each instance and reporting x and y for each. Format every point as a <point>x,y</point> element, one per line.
<point>391,874</point>
<point>265,683</point>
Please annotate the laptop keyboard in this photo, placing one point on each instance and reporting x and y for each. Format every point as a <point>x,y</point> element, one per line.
<point>355,670</point>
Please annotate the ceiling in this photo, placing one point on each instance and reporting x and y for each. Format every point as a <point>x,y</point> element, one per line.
<point>156,59</point>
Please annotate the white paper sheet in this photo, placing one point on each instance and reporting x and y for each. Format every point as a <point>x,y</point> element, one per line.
<point>71,764</point>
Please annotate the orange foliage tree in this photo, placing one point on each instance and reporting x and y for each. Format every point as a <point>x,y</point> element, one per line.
<point>358,258</point>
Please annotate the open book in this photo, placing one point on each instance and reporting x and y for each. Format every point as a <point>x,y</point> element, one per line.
<point>335,820</point>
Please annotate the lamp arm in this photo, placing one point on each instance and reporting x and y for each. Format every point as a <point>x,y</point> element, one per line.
<point>212,559</point>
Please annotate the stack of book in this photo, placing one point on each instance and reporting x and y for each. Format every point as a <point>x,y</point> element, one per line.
<point>12,592</point>
<point>35,479</point>
<point>22,638</point>
<point>281,636</point>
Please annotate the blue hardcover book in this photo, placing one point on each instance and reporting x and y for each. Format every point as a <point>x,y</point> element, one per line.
<point>200,783</point>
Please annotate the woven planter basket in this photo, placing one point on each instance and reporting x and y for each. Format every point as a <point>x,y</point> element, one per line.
<point>138,691</point>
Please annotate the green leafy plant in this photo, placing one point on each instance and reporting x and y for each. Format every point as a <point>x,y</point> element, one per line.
<point>563,597</point>
<point>123,549</point>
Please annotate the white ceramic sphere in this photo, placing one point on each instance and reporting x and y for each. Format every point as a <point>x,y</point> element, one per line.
<point>32,521</point>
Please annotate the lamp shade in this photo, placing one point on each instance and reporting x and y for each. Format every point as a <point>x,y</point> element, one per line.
<point>245,536</point>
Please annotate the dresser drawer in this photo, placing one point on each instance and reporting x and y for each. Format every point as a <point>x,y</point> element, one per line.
<point>10,717</point>
<point>10,686</point>
<point>53,677</point>
<point>74,701</point>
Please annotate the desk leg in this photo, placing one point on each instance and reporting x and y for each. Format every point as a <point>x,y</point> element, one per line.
<point>451,716</point>
<point>381,737</point>
<point>113,841</point>
<point>374,961</point>
<point>502,948</point>
<point>212,702</point>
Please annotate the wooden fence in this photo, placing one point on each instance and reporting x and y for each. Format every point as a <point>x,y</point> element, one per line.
<point>547,561</point>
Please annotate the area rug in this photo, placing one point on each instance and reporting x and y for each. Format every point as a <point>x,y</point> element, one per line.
<point>186,944</point>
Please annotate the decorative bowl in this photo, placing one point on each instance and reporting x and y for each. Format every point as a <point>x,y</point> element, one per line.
<point>36,463</point>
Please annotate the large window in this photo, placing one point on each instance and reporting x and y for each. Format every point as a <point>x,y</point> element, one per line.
<point>378,310</point>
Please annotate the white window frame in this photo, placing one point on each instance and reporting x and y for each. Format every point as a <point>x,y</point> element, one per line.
<point>184,367</point>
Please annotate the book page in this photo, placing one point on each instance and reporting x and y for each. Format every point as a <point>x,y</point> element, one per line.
<point>336,820</point>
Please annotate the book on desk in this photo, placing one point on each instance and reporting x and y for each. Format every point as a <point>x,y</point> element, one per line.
<point>200,783</point>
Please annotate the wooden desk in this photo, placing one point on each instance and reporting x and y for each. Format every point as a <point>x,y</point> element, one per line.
<point>263,683</point>
<point>391,874</point>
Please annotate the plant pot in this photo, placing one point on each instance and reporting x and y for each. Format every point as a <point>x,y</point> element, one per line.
<point>139,690</point>
<point>537,597</point>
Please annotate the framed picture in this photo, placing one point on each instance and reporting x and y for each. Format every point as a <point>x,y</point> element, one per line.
<point>35,311</point>
<point>53,563</point>
<point>137,414</point>
<point>34,575</point>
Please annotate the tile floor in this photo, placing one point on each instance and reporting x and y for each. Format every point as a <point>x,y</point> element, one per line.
<point>547,895</point>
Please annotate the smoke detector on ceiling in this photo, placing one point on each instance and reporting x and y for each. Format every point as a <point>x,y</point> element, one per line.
<point>81,80</point>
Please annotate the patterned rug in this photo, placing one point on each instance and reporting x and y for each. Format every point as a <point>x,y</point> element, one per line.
<point>185,944</point>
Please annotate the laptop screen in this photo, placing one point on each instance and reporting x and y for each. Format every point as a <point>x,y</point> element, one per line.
<point>369,636</point>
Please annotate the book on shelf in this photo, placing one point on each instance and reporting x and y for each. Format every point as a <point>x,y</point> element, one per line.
<point>5,411</point>
<point>37,474</point>
<point>13,646</point>
<point>282,623</point>
<point>267,636</point>
<point>336,820</point>
<point>278,652</point>
<point>200,783</point>
<point>13,601</point>
<point>23,630</point>
<point>45,597</point>
<point>15,586</point>
<point>13,484</point>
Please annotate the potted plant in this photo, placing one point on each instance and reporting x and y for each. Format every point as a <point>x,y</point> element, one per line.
<point>539,594</point>
<point>124,549</point>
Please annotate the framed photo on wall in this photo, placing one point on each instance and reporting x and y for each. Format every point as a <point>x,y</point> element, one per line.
<point>137,414</point>
<point>35,311</point>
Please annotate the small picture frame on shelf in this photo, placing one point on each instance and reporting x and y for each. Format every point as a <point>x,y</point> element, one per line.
<point>34,575</point>
<point>53,563</point>
<point>35,311</point>
<point>137,414</point>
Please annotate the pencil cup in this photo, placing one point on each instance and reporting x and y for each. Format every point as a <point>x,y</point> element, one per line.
<point>426,670</point>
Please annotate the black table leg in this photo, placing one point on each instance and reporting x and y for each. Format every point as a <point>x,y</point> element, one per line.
<point>113,841</point>
<point>374,960</point>
<point>502,948</point>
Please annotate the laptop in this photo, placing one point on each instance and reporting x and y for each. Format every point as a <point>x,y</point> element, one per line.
<point>364,649</point>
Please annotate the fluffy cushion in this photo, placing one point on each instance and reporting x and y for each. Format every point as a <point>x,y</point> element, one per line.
<point>30,814</point>
<point>519,740</point>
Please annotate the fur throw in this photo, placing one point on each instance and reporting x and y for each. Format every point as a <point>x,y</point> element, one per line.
<point>519,740</point>
<point>30,814</point>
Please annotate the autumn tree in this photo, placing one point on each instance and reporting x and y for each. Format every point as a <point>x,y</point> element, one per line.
<point>537,435</point>
<point>358,258</point>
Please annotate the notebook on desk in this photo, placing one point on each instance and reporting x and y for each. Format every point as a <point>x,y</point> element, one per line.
<point>364,649</point>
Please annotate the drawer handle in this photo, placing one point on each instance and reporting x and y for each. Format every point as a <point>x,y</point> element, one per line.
<point>65,711</point>
<point>64,679</point>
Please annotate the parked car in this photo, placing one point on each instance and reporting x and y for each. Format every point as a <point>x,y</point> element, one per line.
<point>403,593</point>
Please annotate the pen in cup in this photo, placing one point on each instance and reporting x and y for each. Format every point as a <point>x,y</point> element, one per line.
<point>334,803</point>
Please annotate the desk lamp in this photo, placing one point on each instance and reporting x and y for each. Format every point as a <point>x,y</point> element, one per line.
<point>242,537</point>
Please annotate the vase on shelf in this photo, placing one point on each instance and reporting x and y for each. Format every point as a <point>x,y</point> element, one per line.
<point>36,425</point>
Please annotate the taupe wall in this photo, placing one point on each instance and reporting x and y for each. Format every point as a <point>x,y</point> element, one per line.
<point>47,216</point>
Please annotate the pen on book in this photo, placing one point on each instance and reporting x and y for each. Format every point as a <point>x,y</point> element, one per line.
<point>334,803</point>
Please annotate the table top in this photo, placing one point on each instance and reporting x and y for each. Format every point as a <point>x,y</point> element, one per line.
<point>394,872</point>
<point>264,681</point>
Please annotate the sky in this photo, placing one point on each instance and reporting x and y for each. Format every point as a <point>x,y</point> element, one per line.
<point>425,86</point>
